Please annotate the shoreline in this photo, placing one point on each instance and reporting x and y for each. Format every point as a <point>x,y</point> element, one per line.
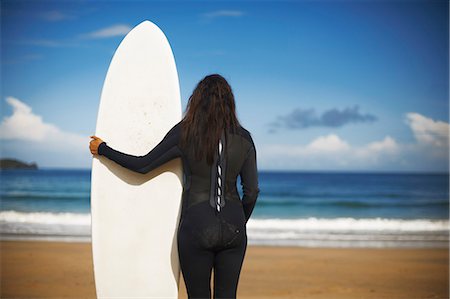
<point>309,232</point>
<point>443,244</point>
<point>49,269</point>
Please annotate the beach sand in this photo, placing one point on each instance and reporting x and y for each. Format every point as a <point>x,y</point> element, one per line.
<point>31,269</point>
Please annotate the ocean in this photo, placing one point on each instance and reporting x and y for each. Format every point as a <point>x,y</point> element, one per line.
<point>311,209</point>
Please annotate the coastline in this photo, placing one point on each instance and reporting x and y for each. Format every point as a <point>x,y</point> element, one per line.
<point>49,269</point>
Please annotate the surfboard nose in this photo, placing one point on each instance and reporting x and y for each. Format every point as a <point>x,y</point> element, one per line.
<point>148,25</point>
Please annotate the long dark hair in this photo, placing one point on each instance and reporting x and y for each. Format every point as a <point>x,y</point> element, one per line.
<point>210,110</point>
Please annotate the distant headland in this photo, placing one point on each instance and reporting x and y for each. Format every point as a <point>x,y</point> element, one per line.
<point>16,164</point>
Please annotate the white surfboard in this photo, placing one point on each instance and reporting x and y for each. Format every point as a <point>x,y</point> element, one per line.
<point>135,216</point>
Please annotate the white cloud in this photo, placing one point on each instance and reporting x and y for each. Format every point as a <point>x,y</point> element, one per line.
<point>111,31</point>
<point>329,143</point>
<point>429,152</point>
<point>377,153</point>
<point>33,134</point>
<point>428,131</point>
<point>23,124</point>
<point>223,13</point>
<point>42,42</point>
<point>327,152</point>
<point>77,41</point>
<point>55,15</point>
<point>23,58</point>
<point>387,144</point>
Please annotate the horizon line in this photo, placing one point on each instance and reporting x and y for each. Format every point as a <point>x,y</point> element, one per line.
<point>374,171</point>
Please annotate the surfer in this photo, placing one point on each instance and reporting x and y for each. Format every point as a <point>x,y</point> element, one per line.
<point>215,149</point>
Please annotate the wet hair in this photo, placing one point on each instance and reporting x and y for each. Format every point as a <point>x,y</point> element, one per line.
<point>210,110</point>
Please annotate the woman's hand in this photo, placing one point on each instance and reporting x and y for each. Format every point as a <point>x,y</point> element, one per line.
<point>93,144</point>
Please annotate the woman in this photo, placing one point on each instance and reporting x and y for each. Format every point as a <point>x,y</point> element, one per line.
<point>215,149</point>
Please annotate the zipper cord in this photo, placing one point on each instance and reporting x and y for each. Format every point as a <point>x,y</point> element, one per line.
<point>219,180</point>
<point>217,193</point>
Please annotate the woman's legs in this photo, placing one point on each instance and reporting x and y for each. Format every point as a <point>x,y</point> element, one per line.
<point>207,240</point>
<point>227,268</point>
<point>196,265</point>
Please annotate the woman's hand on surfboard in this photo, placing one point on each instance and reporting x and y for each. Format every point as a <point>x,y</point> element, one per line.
<point>94,143</point>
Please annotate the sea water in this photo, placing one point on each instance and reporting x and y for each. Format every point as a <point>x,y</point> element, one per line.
<point>313,209</point>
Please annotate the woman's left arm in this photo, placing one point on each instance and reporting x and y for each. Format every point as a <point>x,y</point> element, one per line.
<point>166,150</point>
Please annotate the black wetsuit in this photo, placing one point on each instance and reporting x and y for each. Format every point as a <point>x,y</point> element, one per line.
<point>212,231</point>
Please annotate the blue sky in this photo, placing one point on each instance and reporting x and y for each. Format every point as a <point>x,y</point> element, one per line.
<point>321,85</point>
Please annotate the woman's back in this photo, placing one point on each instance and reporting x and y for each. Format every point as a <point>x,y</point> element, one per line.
<point>202,179</point>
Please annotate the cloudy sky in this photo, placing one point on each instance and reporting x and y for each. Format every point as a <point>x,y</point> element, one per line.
<point>321,85</point>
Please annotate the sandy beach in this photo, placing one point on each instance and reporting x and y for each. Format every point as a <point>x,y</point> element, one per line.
<point>31,269</point>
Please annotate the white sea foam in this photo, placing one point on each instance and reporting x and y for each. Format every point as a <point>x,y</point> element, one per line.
<point>20,224</point>
<point>315,232</point>
<point>46,218</point>
<point>348,224</point>
<point>349,232</point>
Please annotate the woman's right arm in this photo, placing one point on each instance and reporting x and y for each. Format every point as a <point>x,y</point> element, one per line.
<point>249,182</point>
